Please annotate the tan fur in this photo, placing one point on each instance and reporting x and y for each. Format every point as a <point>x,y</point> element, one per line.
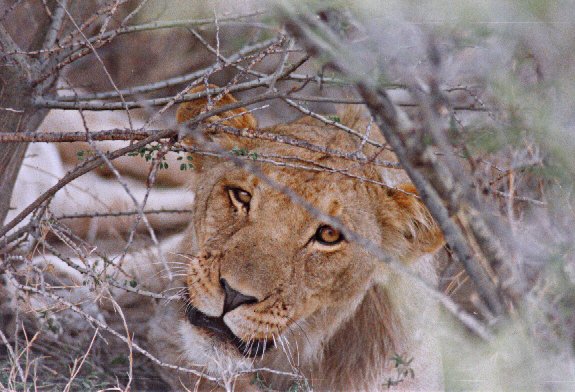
<point>335,313</point>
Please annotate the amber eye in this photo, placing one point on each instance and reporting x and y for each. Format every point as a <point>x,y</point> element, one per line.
<point>240,198</point>
<point>327,235</point>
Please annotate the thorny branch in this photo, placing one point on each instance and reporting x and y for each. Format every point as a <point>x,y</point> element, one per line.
<point>406,148</point>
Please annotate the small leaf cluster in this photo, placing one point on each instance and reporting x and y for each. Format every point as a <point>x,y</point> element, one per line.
<point>150,152</point>
<point>403,370</point>
<point>85,154</point>
<point>334,118</point>
<point>243,152</point>
<point>186,165</point>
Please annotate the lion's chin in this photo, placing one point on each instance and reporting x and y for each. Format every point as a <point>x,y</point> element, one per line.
<point>216,327</point>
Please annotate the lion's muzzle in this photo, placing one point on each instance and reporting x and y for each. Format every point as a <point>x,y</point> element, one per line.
<point>218,328</point>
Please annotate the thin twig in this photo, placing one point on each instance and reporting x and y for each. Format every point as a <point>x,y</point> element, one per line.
<point>76,369</point>
<point>12,356</point>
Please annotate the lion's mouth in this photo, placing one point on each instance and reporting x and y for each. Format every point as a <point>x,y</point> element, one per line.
<point>217,327</point>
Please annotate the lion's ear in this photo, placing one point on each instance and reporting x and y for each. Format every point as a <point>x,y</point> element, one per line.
<point>419,228</point>
<point>237,118</point>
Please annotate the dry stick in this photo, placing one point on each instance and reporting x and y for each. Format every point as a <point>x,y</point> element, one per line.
<point>172,81</point>
<point>108,75</point>
<point>54,29</point>
<point>142,351</point>
<point>279,138</point>
<point>12,356</point>
<point>121,213</point>
<point>379,104</point>
<point>100,40</point>
<point>109,16</point>
<point>453,186</point>
<point>84,168</point>
<point>275,76</point>
<point>141,216</point>
<point>104,327</point>
<point>134,12</point>
<point>95,106</point>
<point>171,24</point>
<point>106,8</point>
<point>352,101</point>
<point>385,114</point>
<point>212,69</point>
<point>130,342</point>
<point>123,134</point>
<point>26,349</point>
<point>92,274</point>
<point>334,123</point>
<point>227,62</point>
<point>129,193</point>
<point>76,369</point>
<point>73,136</point>
<point>537,203</point>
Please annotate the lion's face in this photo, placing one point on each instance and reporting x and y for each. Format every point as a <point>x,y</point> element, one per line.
<point>258,264</point>
<point>263,262</point>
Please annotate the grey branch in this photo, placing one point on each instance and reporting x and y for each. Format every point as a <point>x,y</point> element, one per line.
<point>317,38</point>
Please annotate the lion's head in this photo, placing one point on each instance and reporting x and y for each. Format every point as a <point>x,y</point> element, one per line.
<point>269,276</point>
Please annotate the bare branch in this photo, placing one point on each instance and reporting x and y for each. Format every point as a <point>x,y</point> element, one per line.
<point>237,57</point>
<point>54,29</point>
<point>386,117</point>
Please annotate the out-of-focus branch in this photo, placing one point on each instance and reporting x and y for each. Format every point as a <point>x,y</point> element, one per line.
<point>318,39</point>
<point>378,102</point>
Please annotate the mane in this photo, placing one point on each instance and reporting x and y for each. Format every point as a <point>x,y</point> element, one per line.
<point>350,347</point>
<point>359,351</point>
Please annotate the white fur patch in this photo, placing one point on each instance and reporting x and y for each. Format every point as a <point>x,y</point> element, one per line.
<point>220,359</point>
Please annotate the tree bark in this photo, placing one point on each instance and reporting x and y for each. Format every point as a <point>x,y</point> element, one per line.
<point>16,111</point>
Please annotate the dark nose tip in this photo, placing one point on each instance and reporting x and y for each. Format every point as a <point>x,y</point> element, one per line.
<point>234,298</point>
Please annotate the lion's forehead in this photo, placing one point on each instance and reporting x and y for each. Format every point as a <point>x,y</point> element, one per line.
<point>316,187</point>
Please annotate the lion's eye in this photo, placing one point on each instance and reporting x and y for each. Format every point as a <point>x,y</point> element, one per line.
<point>239,197</point>
<point>327,235</point>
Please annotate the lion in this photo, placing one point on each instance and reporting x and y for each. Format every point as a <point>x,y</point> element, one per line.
<point>96,192</point>
<point>269,276</point>
<point>267,280</point>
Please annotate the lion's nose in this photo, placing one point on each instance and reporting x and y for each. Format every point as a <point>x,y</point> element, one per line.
<point>234,298</point>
